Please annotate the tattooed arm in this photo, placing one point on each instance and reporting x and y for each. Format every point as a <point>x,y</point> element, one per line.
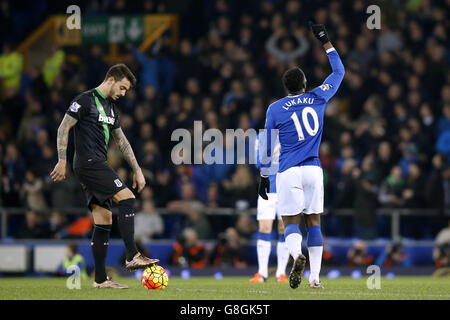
<point>128,154</point>
<point>59,172</point>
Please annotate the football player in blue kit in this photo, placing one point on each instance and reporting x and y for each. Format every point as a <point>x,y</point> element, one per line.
<point>266,213</point>
<point>298,121</point>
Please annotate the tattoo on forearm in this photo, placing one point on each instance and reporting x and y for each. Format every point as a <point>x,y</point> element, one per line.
<point>125,148</point>
<point>63,136</point>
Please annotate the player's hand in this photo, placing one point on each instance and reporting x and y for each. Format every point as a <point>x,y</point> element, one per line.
<point>138,181</point>
<point>264,187</point>
<point>59,172</point>
<point>319,32</point>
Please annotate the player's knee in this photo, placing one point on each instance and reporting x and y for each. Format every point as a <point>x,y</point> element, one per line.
<point>127,203</point>
<point>123,194</point>
<point>101,215</point>
<point>287,220</point>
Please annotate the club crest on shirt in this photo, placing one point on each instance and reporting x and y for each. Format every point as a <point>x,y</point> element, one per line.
<point>118,183</point>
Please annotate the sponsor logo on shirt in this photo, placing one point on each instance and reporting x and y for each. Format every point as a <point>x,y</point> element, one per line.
<point>108,120</point>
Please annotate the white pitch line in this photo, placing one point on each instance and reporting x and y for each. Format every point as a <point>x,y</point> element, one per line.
<point>324,292</point>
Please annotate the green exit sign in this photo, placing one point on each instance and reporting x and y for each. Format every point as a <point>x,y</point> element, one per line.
<point>112,29</point>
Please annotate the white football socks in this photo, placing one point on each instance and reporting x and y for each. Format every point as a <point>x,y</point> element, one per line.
<point>282,258</point>
<point>294,244</point>
<point>315,261</point>
<point>263,248</point>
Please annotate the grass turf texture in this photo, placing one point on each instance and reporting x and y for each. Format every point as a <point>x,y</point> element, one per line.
<point>230,288</point>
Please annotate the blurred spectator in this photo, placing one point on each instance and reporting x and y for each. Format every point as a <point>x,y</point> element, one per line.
<point>413,193</point>
<point>13,174</point>
<point>391,189</point>
<point>67,193</point>
<point>32,191</point>
<point>57,224</point>
<point>246,226</point>
<point>32,121</point>
<point>73,258</point>
<point>443,124</point>
<point>229,250</point>
<point>241,188</point>
<point>286,49</point>
<point>81,228</point>
<point>385,158</point>
<point>33,228</point>
<point>362,53</point>
<point>199,222</point>
<point>214,198</point>
<point>188,199</point>
<point>366,189</point>
<point>328,258</point>
<point>446,186</point>
<point>96,66</point>
<point>149,66</point>
<point>148,223</point>
<point>434,185</point>
<point>11,65</point>
<point>394,256</point>
<point>357,256</point>
<point>441,252</point>
<point>188,251</point>
<point>345,193</point>
<point>327,158</point>
<point>52,65</point>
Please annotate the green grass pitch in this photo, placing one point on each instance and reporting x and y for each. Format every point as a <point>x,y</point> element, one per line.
<point>231,288</point>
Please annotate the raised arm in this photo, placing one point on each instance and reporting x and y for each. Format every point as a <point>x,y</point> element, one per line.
<point>128,154</point>
<point>59,172</point>
<point>331,84</point>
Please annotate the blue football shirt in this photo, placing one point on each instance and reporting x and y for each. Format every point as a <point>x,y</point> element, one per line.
<point>298,121</point>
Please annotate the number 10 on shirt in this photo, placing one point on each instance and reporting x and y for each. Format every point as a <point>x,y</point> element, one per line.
<point>311,131</point>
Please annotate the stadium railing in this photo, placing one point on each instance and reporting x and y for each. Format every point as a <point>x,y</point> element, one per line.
<point>394,213</point>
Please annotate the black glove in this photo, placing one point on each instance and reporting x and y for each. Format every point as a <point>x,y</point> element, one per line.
<point>319,32</point>
<point>264,187</point>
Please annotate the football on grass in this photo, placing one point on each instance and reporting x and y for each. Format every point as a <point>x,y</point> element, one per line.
<point>155,278</point>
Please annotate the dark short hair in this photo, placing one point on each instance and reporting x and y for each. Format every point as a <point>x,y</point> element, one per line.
<point>120,71</point>
<point>294,80</point>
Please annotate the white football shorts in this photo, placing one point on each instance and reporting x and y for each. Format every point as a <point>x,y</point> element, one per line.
<point>267,209</point>
<point>300,190</point>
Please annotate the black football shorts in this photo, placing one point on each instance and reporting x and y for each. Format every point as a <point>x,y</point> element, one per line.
<point>100,183</point>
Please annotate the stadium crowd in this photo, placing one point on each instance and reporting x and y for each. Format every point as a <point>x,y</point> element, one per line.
<point>386,140</point>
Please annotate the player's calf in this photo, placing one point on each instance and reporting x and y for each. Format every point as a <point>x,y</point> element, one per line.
<point>126,226</point>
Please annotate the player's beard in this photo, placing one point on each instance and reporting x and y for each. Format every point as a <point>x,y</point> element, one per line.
<point>112,93</point>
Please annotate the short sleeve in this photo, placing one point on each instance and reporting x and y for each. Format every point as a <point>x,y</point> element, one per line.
<point>116,123</point>
<point>79,107</point>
